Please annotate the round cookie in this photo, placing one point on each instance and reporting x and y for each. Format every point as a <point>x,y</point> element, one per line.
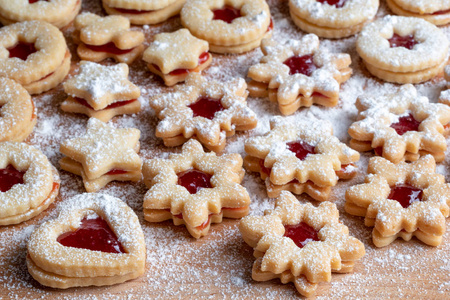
<point>433,11</point>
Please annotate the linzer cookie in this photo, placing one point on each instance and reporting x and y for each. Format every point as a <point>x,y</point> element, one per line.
<point>297,73</point>
<point>195,188</point>
<point>142,12</point>
<point>208,111</point>
<point>172,56</point>
<point>300,157</point>
<point>228,26</point>
<point>401,201</point>
<point>28,182</point>
<point>300,243</point>
<point>56,12</point>
<point>101,92</point>
<point>403,49</point>
<point>102,155</point>
<point>332,18</point>
<point>101,37</point>
<point>400,126</point>
<point>433,11</point>
<point>95,240</point>
<point>445,95</point>
<point>17,111</point>
<point>35,54</point>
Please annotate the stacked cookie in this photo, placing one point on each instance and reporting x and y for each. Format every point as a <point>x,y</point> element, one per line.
<point>433,11</point>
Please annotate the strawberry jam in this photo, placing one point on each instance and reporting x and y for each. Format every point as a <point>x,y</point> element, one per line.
<point>194,180</point>
<point>93,234</point>
<point>109,48</point>
<point>34,1</point>
<point>206,107</point>
<point>10,177</point>
<point>116,172</point>
<point>201,60</point>
<point>336,3</point>
<point>301,149</point>
<point>132,11</point>
<point>226,14</point>
<point>112,105</point>
<point>301,65</point>
<point>21,50</point>
<point>407,41</point>
<point>405,124</point>
<point>405,194</point>
<point>301,234</point>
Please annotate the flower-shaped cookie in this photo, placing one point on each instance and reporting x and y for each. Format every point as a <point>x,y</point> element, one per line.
<point>172,56</point>
<point>298,73</point>
<point>195,188</point>
<point>402,200</point>
<point>300,243</point>
<point>400,125</point>
<point>445,95</point>
<point>433,11</point>
<point>206,110</point>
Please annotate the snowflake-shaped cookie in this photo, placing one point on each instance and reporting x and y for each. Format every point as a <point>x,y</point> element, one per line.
<point>206,110</point>
<point>298,73</point>
<point>325,247</point>
<point>195,188</point>
<point>402,200</point>
<point>445,95</point>
<point>400,126</point>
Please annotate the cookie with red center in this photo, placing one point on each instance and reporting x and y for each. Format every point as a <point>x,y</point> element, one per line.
<point>297,73</point>
<point>103,37</point>
<point>142,12</point>
<point>400,126</point>
<point>301,157</point>
<point>332,18</point>
<point>229,26</point>
<point>35,54</point>
<point>300,243</point>
<point>403,49</point>
<point>56,12</point>
<point>195,188</point>
<point>96,240</point>
<point>102,155</point>
<point>208,111</point>
<point>401,201</point>
<point>433,11</point>
<point>28,182</point>
<point>172,56</point>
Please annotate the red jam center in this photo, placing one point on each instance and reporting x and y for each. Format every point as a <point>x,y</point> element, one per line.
<point>405,124</point>
<point>405,194</point>
<point>10,177</point>
<point>407,42</point>
<point>336,3</point>
<point>34,1</point>
<point>206,107</point>
<point>93,234</point>
<point>301,64</point>
<point>194,180</point>
<point>109,48</point>
<point>112,105</point>
<point>21,50</point>
<point>301,149</point>
<point>301,234</point>
<point>226,14</point>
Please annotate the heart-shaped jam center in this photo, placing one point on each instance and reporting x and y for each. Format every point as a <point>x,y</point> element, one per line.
<point>301,65</point>
<point>226,14</point>
<point>10,177</point>
<point>301,149</point>
<point>109,48</point>
<point>93,234</point>
<point>301,234</point>
<point>206,107</point>
<point>194,180</point>
<point>22,50</point>
<point>405,124</point>
<point>405,194</point>
<point>336,3</point>
<point>406,41</point>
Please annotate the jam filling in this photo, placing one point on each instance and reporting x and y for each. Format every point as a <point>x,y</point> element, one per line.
<point>194,180</point>
<point>112,105</point>
<point>270,28</point>
<point>116,172</point>
<point>336,3</point>
<point>405,194</point>
<point>206,107</point>
<point>21,50</point>
<point>405,124</point>
<point>301,149</point>
<point>441,12</point>
<point>10,177</point>
<point>132,11</point>
<point>301,65</point>
<point>301,234</point>
<point>201,60</point>
<point>93,234</point>
<point>407,41</point>
<point>34,1</point>
<point>226,14</point>
<point>109,48</point>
